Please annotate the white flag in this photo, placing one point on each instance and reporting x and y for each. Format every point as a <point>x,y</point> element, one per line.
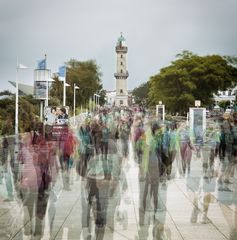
<point>21,66</point>
<point>62,79</point>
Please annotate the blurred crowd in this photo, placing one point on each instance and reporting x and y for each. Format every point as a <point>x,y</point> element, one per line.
<point>97,155</point>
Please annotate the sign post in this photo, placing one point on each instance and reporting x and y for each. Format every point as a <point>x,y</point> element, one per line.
<point>160,111</point>
<point>197,123</point>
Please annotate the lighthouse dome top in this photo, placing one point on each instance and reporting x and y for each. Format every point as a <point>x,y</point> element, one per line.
<point>121,39</point>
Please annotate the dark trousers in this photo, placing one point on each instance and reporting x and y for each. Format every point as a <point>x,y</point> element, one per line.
<point>222,150</point>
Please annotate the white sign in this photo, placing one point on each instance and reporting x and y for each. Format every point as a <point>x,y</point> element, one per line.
<point>40,89</point>
<point>197,123</point>
<point>160,112</point>
<point>41,78</point>
<point>197,103</point>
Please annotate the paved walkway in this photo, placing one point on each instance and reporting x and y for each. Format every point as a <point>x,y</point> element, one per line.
<point>180,214</point>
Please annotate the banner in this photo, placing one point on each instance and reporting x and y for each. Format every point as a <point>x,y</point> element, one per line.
<point>40,90</point>
<point>56,122</point>
<point>41,78</point>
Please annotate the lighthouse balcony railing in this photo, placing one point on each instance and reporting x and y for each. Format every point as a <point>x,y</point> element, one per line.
<point>122,75</point>
<point>121,49</point>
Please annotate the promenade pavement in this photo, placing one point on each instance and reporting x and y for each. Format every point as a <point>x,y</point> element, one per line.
<point>179,216</point>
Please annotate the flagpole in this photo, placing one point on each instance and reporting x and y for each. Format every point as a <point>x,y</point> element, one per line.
<point>64,88</point>
<point>16,103</point>
<point>74,104</point>
<point>47,83</point>
<point>18,66</point>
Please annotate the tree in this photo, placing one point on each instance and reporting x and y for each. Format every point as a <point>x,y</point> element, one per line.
<point>140,94</point>
<point>7,110</point>
<point>6,93</point>
<point>224,104</point>
<point>102,94</point>
<point>56,91</point>
<point>191,77</point>
<point>28,109</point>
<point>86,75</point>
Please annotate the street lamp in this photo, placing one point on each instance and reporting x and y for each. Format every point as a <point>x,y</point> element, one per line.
<point>94,108</point>
<point>106,100</point>
<point>98,100</point>
<point>64,91</point>
<point>19,66</point>
<point>96,97</point>
<point>90,105</point>
<point>74,102</point>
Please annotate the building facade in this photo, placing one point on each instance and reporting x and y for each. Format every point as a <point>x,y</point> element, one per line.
<point>227,95</point>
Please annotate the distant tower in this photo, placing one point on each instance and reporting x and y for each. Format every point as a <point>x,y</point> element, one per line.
<point>122,74</point>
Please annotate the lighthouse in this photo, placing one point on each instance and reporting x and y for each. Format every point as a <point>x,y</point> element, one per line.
<point>121,74</point>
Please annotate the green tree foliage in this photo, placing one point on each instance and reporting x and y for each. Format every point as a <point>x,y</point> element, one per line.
<point>7,111</point>
<point>232,60</point>
<point>224,104</point>
<point>191,77</point>
<point>6,93</point>
<point>102,94</point>
<point>86,75</point>
<point>56,92</point>
<point>140,94</point>
<point>28,109</point>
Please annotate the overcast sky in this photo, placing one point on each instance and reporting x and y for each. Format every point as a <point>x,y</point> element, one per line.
<point>155,31</point>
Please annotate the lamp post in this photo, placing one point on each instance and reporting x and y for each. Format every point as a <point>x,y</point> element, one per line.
<point>74,102</point>
<point>89,104</point>
<point>64,91</point>
<point>16,104</point>
<point>98,101</point>
<point>106,100</point>
<point>19,66</point>
<point>64,87</point>
<point>94,100</point>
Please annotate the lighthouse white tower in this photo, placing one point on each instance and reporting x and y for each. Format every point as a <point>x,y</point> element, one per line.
<point>122,74</point>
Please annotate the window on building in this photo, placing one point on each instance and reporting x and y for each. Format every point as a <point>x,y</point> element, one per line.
<point>121,63</point>
<point>121,102</point>
<point>121,90</point>
<point>122,56</point>
<point>121,70</point>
